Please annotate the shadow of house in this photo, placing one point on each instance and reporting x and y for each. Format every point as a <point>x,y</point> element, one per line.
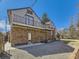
<point>48,49</point>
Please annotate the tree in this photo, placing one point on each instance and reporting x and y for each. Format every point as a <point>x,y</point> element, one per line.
<point>72,29</point>
<point>1,42</point>
<point>64,33</point>
<point>1,35</point>
<point>78,27</point>
<point>78,21</point>
<point>45,18</point>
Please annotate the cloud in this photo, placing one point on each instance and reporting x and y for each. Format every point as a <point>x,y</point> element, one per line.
<point>61,29</point>
<point>8,27</point>
<point>3,26</point>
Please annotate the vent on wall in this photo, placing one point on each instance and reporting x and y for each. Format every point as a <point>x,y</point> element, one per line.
<point>29,11</point>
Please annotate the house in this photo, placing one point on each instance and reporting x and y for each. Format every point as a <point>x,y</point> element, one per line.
<point>26,27</point>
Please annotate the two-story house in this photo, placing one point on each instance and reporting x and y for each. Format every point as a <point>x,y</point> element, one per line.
<point>26,26</point>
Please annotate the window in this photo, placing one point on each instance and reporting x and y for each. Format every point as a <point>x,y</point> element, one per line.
<point>30,20</point>
<point>18,19</point>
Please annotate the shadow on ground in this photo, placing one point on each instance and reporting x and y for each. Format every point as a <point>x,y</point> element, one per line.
<point>57,47</point>
<point>5,55</point>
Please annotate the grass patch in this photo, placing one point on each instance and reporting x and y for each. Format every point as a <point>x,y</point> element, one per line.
<point>73,42</point>
<point>67,41</point>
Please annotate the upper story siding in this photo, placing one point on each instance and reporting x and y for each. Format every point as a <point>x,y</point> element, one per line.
<point>22,16</point>
<point>23,12</point>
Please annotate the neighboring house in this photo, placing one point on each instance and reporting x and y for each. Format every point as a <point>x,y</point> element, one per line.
<point>26,26</point>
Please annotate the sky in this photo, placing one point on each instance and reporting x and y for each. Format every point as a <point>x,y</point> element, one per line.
<point>59,11</point>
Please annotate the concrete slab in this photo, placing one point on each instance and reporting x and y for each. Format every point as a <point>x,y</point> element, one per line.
<point>53,50</point>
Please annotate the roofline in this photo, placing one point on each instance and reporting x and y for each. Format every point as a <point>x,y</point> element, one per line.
<point>19,8</point>
<point>23,8</point>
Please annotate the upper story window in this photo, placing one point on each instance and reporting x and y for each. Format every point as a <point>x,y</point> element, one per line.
<point>29,20</point>
<point>29,12</point>
<point>18,19</point>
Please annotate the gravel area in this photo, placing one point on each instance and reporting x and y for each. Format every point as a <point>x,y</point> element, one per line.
<point>53,50</point>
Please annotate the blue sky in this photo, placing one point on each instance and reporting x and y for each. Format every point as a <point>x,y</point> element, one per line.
<point>59,11</point>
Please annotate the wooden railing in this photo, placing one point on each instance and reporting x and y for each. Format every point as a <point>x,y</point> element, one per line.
<point>23,20</point>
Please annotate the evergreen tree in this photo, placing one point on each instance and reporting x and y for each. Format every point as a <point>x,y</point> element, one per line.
<point>78,22</point>
<point>45,18</point>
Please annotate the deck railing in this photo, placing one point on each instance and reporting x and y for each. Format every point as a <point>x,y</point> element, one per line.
<point>23,20</point>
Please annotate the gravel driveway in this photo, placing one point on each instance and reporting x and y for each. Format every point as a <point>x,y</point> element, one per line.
<point>53,50</point>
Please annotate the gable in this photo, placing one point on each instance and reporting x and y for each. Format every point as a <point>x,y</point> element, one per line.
<point>25,11</point>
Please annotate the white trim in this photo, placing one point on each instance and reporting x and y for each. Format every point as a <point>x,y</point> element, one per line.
<point>30,26</point>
